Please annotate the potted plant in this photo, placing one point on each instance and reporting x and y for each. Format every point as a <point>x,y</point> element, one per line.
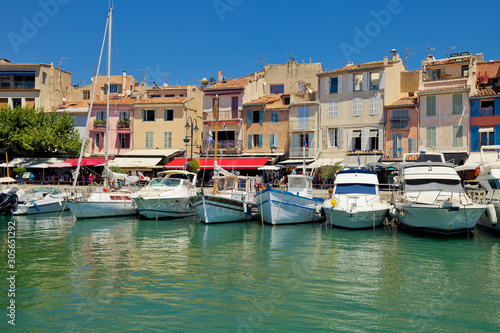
<point>99,123</point>
<point>329,172</point>
<point>124,123</point>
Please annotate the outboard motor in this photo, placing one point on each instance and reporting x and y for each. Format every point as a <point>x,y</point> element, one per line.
<point>8,202</point>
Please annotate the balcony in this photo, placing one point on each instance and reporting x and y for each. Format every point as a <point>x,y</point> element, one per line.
<point>433,76</point>
<point>299,152</point>
<point>400,124</point>
<point>223,115</point>
<point>124,123</point>
<point>302,124</point>
<point>223,147</point>
<point>99,123</point>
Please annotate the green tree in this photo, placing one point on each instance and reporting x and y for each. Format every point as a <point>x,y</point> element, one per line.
<point>329,172</point>
<point>33,132</point>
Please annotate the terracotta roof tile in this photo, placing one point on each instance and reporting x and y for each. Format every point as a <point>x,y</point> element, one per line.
<point>162,100</point>
<point>263,100</point>
<point>373,64</point>
<point>483,92</point>
<point>116,101</point>
<point>72,107</point>
<point>459,60</point>
<point>230,84</point>
<point>444,89</point>
<point>404,101</point>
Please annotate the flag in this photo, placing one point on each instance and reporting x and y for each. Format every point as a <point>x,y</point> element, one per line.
<point>359,162</point>
<point>305,144</point>
<point>141,176</point>
<point>211,138</point>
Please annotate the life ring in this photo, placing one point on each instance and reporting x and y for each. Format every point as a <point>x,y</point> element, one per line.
<point>476,172</point>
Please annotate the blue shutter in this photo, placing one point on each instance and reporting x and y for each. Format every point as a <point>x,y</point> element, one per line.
<point>497,134</point>
<point>497,109</point>
<point>249,116</point>
<point>260,139</point>
<point>261,116</point>
<point>474,108</point>
<point>276,140</point>
<point>271,140</point>
<point>474,138</point>
<point>249,140</point>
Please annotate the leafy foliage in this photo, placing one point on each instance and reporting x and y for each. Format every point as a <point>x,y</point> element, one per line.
<point>117,169</point>
<point>193,165</point>
<point>19,170</point>
<point>329,172</point>
<point>32,132</point>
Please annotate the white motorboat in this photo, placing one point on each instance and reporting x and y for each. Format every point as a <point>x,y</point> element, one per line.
<point>432,198</point>
<point>167,196</point>
<point>488,193</point>
<point>232,201</point>
<point>355,202</point>
<point>42,200</point>
<point>103,203</point>
<point>295,205</point>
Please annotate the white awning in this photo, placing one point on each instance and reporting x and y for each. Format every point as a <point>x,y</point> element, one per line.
<point>363,159</point>
<point>295,161</point>
<point>269,167</point>
<point>486,129</point>
<point>152,152</point>
<point>33,162</point>
<point>323,161</point>
<point>135,162</point>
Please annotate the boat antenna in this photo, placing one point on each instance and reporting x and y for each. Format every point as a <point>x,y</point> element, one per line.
<point>85,133</point>
<point>215,146</point>
<point>108,90</point>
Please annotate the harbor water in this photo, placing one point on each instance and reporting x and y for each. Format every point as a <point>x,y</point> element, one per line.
<point>180,275</point>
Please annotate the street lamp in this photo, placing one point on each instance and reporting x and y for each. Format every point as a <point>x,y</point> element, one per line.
<point>193,124</point>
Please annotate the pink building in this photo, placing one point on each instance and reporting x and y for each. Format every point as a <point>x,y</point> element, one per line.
<point>120,126</point>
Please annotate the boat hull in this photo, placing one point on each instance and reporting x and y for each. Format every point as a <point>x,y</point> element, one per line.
<point>355,220</point>
<point>282,207</point>
<point>439,219</point>
<point>35,208</point>
<point>164,207</point>
<point>484,220</point>
<point>216,209</point>
<point>89,209</point>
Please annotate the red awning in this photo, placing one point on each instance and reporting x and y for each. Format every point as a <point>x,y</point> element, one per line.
<point>225,163</point>
<point>89,161</point>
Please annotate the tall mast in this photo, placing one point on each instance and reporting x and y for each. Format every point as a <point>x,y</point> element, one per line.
<point>215,148</point>
<point>106,181</point>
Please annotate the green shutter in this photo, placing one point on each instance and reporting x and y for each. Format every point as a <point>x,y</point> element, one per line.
<point>249,140</point>
<point>261,116</point>
<point>249,116</point>
<point>143,115</point>
<point>275,144</point>
<point>457,104</point>
<point>260,139</point>
<point>430,106</point>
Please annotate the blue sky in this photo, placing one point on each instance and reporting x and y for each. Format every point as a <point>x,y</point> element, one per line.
<point>189,40</point>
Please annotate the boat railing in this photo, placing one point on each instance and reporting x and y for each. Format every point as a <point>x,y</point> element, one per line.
<point>478,195</point>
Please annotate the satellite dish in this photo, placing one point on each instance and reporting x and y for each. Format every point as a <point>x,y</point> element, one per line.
<point>264,83</point>
<point>128,92</point>
<point>64,99</point>
<point>212,80</point>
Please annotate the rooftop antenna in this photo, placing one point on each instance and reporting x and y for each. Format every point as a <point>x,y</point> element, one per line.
<point>142,73</point>
<point>428,49</point>
<point>262,61</point>
<point>290,55</point>
<point>449,49</point>
<point>61,62</point>
<point>165,80</point>
<point>408,54</point>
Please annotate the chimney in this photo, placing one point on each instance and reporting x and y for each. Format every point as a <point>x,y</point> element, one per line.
<point>393,54</point>
<point>124,83</point>
<point>204,83</point>
<point>219,78</point>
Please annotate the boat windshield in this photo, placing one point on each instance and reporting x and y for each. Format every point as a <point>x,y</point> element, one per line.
<point>298,182</point>
<point>355,188</point>
<point>50,190</point>
<point>165,182</point>
<point>433,185</point>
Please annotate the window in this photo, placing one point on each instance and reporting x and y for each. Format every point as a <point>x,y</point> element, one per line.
<point>116,89</point>
<point>334,85</point>
<point>430,137</point>
<point>100,115</point>
<point>277,88</point>
<point>255,140</point>
<point>465,70</point>
<point>400,119</point>
<point>24,82</point>
<point>374,139</point>
<point>255,116</point>
<point>148,115</point>
<point>169,96</point>
<point>124,140</point>
<point>4,102</point>
<point>167,140</point>
<point>155,96</point>
<point>234,103</point>
<point>333,137</point>
<point>355,141</point>
<point>358,82</point>
<point>304,140</point>
<point>213,104</point>
<point>44,78</point>
<point>303,117</point>
<point>357,107</point>
<point>434,75</point>
<point>412,145</point>
<point>30,103</point>
<point>16,103</point>
<point>124,115</point>
<point>168,115</point>
<point>274,117</point>
<point>86,94</point>
<point>457,104</point>
<point>487,108</point>
<point>149,140</point>
<point>286,100</point>
<point>97,139</point>
<point>487,138</point>
<point>430,106</point>
<point>374,80</point>
<point>273,140</point>
<point>333,108</point>
<point>457,136</point>
<point>373,105</point>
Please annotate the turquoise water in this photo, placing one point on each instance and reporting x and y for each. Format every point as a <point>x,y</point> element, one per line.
<point>141,275</point>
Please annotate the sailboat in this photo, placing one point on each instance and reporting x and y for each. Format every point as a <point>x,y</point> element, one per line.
<point>102,203</point>
<point>295,205</point>
<point>232,198</point>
